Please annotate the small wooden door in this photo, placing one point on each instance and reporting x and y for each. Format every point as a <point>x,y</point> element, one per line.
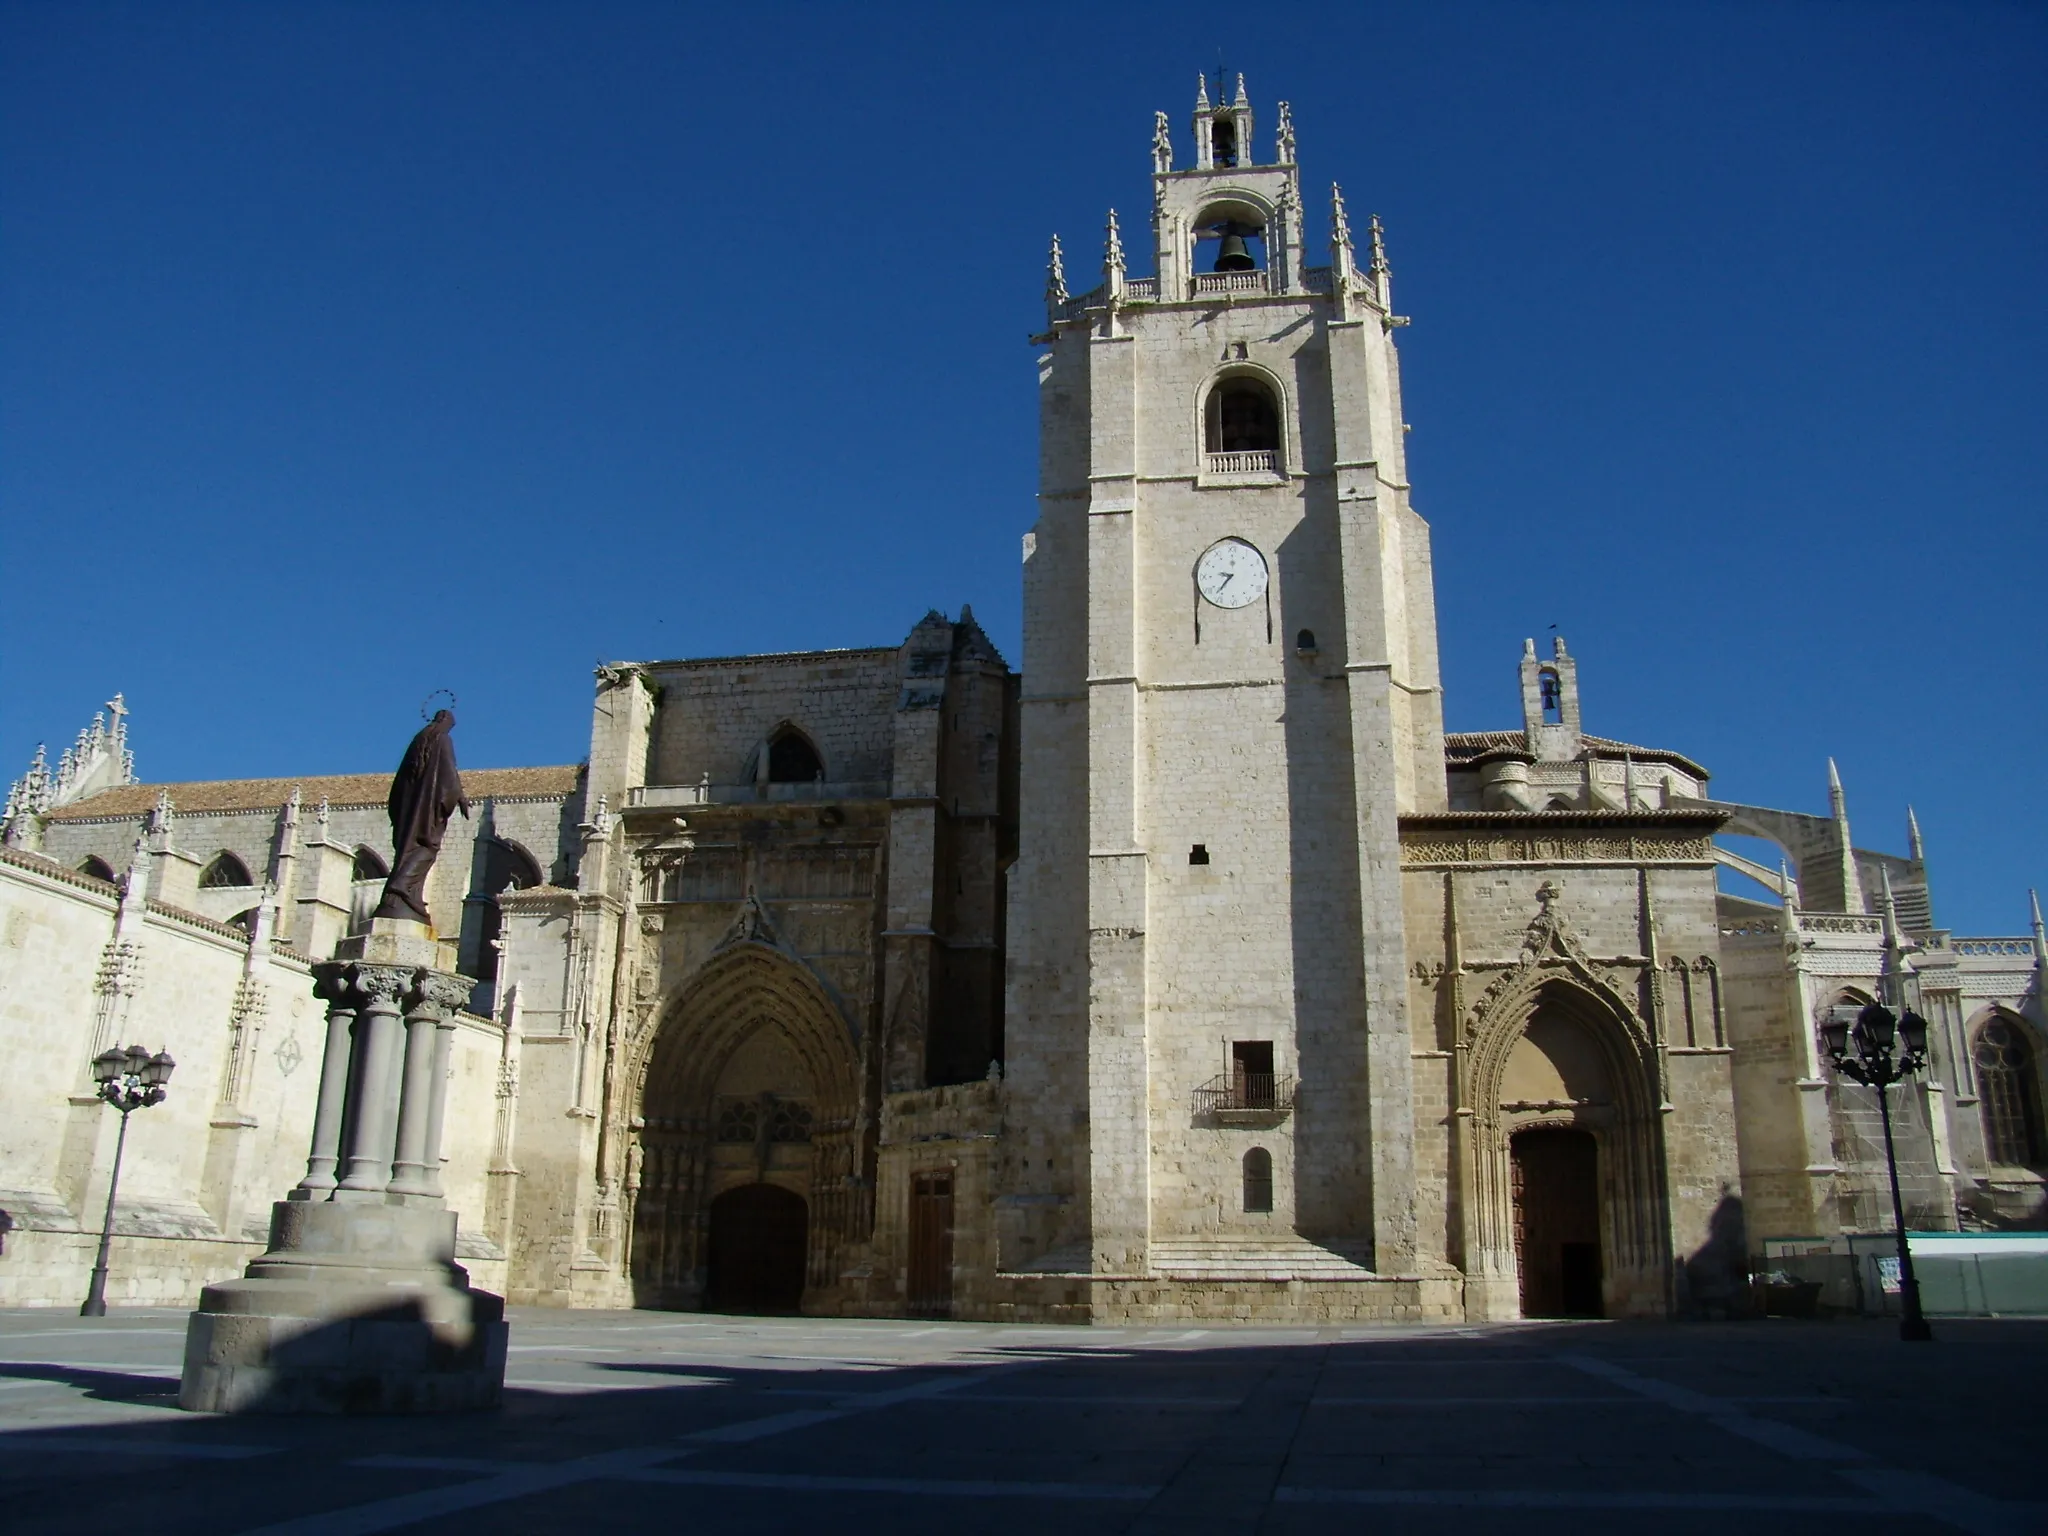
<point>931,1245</point>
<point>1557,1222</point>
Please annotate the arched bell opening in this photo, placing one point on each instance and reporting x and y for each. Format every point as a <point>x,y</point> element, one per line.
<point>746,1097</point>
<point>1566,1187</point>
<point>1230,236</point>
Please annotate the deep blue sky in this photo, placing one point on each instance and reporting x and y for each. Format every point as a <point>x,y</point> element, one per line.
<point>351,351</point>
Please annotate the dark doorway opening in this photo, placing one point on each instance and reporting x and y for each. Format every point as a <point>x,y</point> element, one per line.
<point>1557,1222</point>
<point>931,1245</point>
<point>758,1239</point>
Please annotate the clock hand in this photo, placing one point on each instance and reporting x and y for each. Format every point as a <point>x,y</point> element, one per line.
<point>1227,575</point>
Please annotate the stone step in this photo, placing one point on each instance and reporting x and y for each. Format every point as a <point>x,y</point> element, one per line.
<point>1277,1258</point>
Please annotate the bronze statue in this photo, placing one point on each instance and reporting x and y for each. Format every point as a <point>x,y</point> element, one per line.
<point>425,792</point>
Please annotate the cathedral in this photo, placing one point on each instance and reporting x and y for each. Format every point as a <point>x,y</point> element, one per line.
<point>1192,971</point>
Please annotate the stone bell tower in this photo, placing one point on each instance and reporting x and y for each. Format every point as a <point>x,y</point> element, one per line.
<point>1230,695</point>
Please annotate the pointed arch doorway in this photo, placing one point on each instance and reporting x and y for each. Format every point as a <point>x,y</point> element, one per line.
<point>746,1142</point>
<point>758,1239</point>
<point>1555,1173</point>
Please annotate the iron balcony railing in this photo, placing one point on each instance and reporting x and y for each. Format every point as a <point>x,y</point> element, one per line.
<point>1252,1093</point>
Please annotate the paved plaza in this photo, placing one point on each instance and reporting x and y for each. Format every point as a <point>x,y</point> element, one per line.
<point>659,1421</point>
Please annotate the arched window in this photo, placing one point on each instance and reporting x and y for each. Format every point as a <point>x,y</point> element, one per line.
<point>1242,417</point>
<point>99,869</point>
<point>225,871</point>
<point>1258,1181</point>
<point>2006,1088</point>
<point>506,867</point>
<point>792,759</point>
<point>1551,696</point>
<point>1305,641</point>
<point>1223,141</point>
<point>369,866</point>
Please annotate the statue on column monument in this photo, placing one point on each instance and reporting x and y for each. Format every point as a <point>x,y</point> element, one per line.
<point>425,792</point>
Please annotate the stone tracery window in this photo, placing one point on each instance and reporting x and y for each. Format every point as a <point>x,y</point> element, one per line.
<point>2007,1091</point>
<point>224,872</point>
<point>793,760</point>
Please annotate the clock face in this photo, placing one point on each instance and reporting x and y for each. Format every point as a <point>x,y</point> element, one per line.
<point>1231,574</point>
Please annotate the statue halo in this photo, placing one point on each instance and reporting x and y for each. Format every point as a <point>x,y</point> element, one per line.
<point>428,714</point>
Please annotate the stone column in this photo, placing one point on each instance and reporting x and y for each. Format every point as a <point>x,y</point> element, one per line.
<point>333,983</point>
<point>440,996</point>
<point>419,1099</point>
<point>358,1305</point>
<point>372,1130</point>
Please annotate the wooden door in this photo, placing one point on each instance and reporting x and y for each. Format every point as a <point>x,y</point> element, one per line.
<point>931,1245</point>
<point>1556,1185</point>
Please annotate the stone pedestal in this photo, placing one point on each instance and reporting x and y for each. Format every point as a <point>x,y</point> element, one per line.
<point>358,1306</point>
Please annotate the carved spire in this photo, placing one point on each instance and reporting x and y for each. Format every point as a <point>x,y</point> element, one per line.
<point>1377,266</point>
<point>1283,136</point>
<point>1838,803</point>
<point>2040,931</point>
<point>1786,888</point>
<point>1201,93</point>
<point>1240,100</point>
<point>1055,281</point>
<point>1914,846</point>
<point>1113,247</point>
<point>1340,221</point>
<point>1162,145</point>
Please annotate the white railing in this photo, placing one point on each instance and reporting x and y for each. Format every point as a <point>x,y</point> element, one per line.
<point>1141,289</point>
<point>2020,947</point>
<point>1263,462</point>
<point>1842,924</point>
<point>1230,282</point>
<point>1315,279</point>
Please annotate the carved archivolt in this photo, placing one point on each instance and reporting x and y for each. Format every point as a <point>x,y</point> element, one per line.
<point>1554,972</point>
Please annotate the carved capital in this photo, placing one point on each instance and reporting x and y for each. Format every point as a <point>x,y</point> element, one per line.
<point>440,993</point>
<point>383,986</point>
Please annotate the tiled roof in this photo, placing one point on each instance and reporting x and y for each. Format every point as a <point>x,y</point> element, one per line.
<point>336,788</point>
<point>1462,747</point>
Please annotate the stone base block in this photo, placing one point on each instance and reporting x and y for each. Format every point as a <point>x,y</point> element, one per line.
<point>355,1309</point>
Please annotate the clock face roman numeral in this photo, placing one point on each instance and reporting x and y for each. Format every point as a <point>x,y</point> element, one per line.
<point>1231,574</point>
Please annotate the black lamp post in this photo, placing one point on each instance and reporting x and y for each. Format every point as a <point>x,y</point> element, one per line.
<point>1873,1064</point>
<point>129,1080</point>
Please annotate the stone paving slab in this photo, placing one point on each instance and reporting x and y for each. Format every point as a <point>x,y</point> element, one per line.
<point>749,1424</point>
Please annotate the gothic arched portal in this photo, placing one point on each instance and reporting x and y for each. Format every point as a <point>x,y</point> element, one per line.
<point>746,1134</point>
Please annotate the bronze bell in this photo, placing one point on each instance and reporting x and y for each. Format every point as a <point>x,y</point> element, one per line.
<point>1232,256</point>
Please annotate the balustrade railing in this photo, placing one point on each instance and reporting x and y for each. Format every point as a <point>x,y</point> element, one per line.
<point>1263,462</point>
<point>1141,289</point>
<point>2018,947</point>
<point>1814,923</point>
<point>1315,279</point>
<point>1230,282</point>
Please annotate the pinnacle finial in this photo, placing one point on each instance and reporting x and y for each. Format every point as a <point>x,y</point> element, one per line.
<point>1201,93</point>
<point>1785,887</point>
<point>1283,136</point>
<point>1239,99</point>
<point>1162,145</point>
<point>1055,277</point>
<point>1914,846</point>
<point>1113,246</point>
<point>1838,803</point>
<point>1340,221</point>
<point>2034,903</point>
<point>1378,266</point>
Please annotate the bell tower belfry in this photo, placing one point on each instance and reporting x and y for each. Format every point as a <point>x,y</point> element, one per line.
<point>1230,696</point>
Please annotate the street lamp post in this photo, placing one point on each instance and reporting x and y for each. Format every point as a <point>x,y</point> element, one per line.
<point>129,1080</point>
<point>1873,1064</point>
